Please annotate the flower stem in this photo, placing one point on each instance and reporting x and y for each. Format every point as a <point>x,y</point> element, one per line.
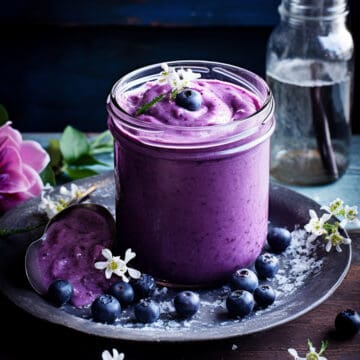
<point>6,232</point>
<point>144,108</point>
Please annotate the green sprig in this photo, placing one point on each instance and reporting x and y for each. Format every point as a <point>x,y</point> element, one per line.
<point>144,108</point>
<point>324,345</point>
<point>6,232</point>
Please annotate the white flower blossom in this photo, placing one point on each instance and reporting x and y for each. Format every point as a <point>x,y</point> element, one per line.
<point>115,355</point>
<point>73,193</point>
<point>312,354</point>
<point>53,205</point>
<point>335,207</point>
<point>331,230</point>
<point>177,79</point>
<point>350,215</point>
<point>336,239</point>
<point>316,226</point>
<point>115,265</point>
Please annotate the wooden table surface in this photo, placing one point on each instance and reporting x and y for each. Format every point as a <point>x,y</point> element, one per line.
<point>31,334</point>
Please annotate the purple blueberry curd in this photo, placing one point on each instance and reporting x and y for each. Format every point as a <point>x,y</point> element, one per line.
<point>221,103</point>
<point>192,186</point>
<point>69,251</point>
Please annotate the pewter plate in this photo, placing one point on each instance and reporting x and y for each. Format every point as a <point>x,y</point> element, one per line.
<point>308,276</point>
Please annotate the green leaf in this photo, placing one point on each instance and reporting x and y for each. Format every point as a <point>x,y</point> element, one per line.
<point>144,108</point>
<point>87,160</point>
<point>48,176</point>
<point>102,141</point>
<point>79,173</point>
<point>73,145</point>
<point>54,152</point>
<point>4,116</point>
<point>102,150</point>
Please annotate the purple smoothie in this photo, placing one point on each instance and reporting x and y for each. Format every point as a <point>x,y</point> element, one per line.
<point>192,188</point>
<point>70,249</point>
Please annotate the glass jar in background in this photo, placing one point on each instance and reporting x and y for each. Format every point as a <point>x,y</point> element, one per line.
<point>309,68</point>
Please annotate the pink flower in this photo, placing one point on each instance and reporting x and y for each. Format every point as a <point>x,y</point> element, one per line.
<point>20,164</point>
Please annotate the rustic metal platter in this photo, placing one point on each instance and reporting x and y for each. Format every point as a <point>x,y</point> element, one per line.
<point>318,275</point>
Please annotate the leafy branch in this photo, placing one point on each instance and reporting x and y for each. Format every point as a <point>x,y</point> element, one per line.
<point>74,155</point>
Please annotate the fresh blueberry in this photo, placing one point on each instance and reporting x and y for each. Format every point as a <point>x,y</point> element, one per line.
<point>144,286</point>
<point>266,265</point>
<point>278,239</point>
<point>60,292</point>
<point>123,291</point>
<point>240,303</point>
<point>244,279</point>
<point>147,311</point>
<point>347,323</point>
<point>187,303</point>
<point>264,295</point>
<point>189,99</point>
<point>105,309</point>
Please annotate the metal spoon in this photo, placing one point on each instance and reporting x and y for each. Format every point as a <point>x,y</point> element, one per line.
<point>31,257</point>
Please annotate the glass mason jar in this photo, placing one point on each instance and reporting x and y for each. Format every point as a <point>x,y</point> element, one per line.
<point>192,202</point>
<point>310,72</point>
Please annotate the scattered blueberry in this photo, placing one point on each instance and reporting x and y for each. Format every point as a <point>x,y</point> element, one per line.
<point>187,303</point>
<point>264,295</point>
<point>278,239</point>
<point>122,291</point>
<point>144,286</point>
<point>189,99</point>
<point>60,292</point>
<point>266,265</point>
<point>244,279</point>
<point>147,311</point>
<point>347,323</point>
<point>105,309</point>
<point>240,303</point>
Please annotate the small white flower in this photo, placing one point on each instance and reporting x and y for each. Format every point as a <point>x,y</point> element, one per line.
<point>164,75</point>
<point>350,215</point>
<point>294,354</point>
<point>48,206</point>
<point>114,264</point>
<point>73,193</point>
<point>52,206</point>
<point>336,239</point>
<point>115,355</point>
<point>177,79</point>
<point>335,207</point>
<point>312,354</point>
<point>316,226</point>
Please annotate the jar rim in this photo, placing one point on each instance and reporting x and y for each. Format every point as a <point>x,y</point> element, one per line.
<point>302,10</point>
<point>248,124</point>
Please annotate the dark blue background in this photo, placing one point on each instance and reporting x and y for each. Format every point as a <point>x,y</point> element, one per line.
<point>59,59</point>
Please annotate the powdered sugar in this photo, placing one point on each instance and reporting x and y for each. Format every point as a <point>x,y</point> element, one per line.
<point>299,262</point>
